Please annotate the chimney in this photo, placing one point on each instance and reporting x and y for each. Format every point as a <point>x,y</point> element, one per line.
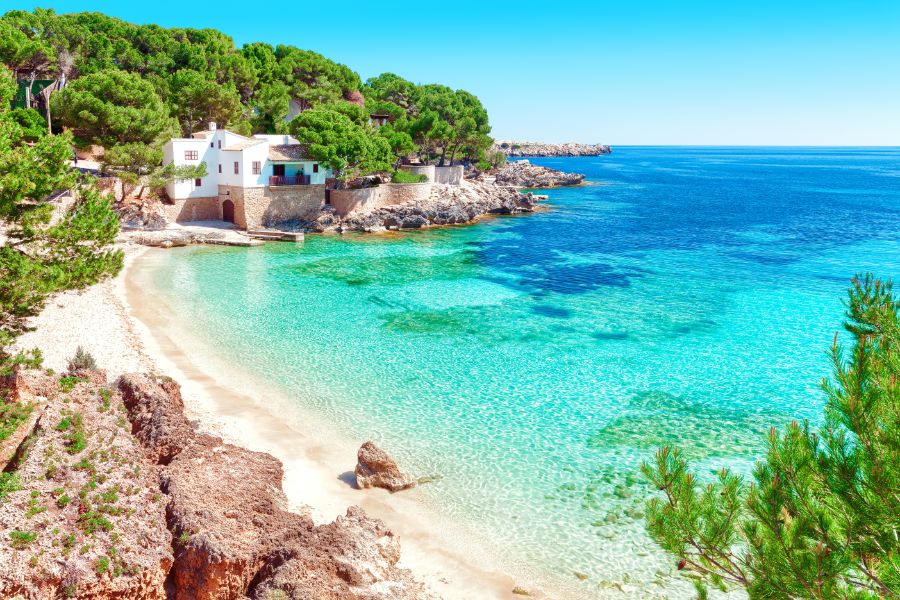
<point>212,126</point>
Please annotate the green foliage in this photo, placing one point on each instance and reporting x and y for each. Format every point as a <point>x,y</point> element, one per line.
<point>82,360</point>
<point>404,177</point>
<point>348,148</point>
<point>33,124</point>
<point>20,539</point>
<point>40,258</point>
<point>9,483</point>
<point>102,565</point>
<point>198,100</point>
<point>820,519</point>
<point>12,415</point>
<point>111,107</point>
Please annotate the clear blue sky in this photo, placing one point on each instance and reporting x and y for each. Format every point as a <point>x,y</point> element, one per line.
<point>803,72</point>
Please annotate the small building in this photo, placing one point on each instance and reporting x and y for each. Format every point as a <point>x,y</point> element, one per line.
<point>252,182</point>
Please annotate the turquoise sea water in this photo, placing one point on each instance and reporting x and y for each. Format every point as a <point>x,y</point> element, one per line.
<point>688,295</point>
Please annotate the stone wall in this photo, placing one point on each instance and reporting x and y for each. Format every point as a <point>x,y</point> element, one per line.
<point>401,193</point>
<point>347,201</point>
<point>255,208</point>
<point>426,170</point>
<point>449,175</point>
<point>193,209</point>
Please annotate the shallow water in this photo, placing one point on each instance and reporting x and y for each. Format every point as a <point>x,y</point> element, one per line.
<point>534,361</point>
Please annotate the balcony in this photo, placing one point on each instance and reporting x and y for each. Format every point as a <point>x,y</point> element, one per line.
<point>282,180</point>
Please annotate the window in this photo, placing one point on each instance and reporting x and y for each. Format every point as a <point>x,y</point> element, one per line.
<point>315,167</point>
<point>257,167</point>
<point>210,144</point>
<point>198,182</point>
<point>220,144</point>
<point>236,168</point>
<point>191,155</point>
<point>220,168</point>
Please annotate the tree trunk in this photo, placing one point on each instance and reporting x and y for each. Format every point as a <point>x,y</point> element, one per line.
<point>46,93</point>
<point>443,155</point>
<point>453,154</point>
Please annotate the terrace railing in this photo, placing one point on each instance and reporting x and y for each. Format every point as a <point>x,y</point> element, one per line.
<point>279,180</point>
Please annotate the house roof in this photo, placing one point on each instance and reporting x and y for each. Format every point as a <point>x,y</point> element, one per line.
<point>244,145</point>
<point>288,153</point>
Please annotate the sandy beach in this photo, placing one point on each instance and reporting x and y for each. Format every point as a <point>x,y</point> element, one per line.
<point>127,330</point>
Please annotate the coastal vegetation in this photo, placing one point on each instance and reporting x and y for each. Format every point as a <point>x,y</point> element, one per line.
<point>821,515</point>
<point>40,256</point>
<point>128,88</point>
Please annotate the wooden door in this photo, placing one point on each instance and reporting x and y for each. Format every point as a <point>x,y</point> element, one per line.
<point>228,211</point>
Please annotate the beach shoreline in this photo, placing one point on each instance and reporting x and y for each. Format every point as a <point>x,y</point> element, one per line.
<point>127,330</point>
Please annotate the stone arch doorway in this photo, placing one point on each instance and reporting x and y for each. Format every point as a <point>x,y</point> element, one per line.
<point>228,211</point>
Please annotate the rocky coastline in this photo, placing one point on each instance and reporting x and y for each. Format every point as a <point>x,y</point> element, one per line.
<point>113,493</point>
<point>523,174</point>
<point>513,149</point>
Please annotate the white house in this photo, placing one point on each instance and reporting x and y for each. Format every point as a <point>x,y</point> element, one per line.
<point>235,160</point>
<point>262,168</point>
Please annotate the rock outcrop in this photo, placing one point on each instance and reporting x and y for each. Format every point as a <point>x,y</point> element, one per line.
<point>227,514</point>
<point>447,205</point>
<point>81,514</point>
<point>523,174</point>
<point>354,557</point>
<point>156,412</point>
<point>374,468</point>
<point>112,495</point>
<point>512,149</point>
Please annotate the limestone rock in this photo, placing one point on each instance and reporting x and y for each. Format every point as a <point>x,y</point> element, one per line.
<point>226,512</point>
<point>156,412</point>
<point>374,468</point>
<point>352,558</point>
<point>523,174</point>
<point>88,521</point>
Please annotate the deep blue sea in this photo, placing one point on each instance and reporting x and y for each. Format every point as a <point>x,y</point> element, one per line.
<point>683,296</point>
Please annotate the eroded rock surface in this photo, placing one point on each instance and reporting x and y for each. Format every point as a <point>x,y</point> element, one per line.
<point>523,174</point>
<point>374,468</point>
<point>227,513</point>
<point>155,409</point>
<point>84,517</point>
<point>90,513</point>
<point>352,558</point>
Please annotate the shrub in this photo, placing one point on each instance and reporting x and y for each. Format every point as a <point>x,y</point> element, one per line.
<point>82,360</point>
<point>21,539</point>
<point>404,177</point>
<point>9,482</point>
<point>102,565</point>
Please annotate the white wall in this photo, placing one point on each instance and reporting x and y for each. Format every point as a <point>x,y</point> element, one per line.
<point>211,150</point>
<point>174,151</point>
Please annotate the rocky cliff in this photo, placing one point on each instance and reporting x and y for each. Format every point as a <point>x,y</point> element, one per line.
<point>113,495</point>
<point>513,149</point>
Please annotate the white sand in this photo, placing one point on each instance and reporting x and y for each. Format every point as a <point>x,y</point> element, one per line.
<point>127,330</point>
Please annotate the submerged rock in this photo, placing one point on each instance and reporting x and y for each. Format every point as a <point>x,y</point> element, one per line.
<point>374,468</point>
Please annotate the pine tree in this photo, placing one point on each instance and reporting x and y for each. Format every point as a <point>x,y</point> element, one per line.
<point>39,257</point>
<point>821,518</point>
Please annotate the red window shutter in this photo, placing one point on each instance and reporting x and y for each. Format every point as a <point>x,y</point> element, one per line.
<point>315,167</point>
<point>198,182</point>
